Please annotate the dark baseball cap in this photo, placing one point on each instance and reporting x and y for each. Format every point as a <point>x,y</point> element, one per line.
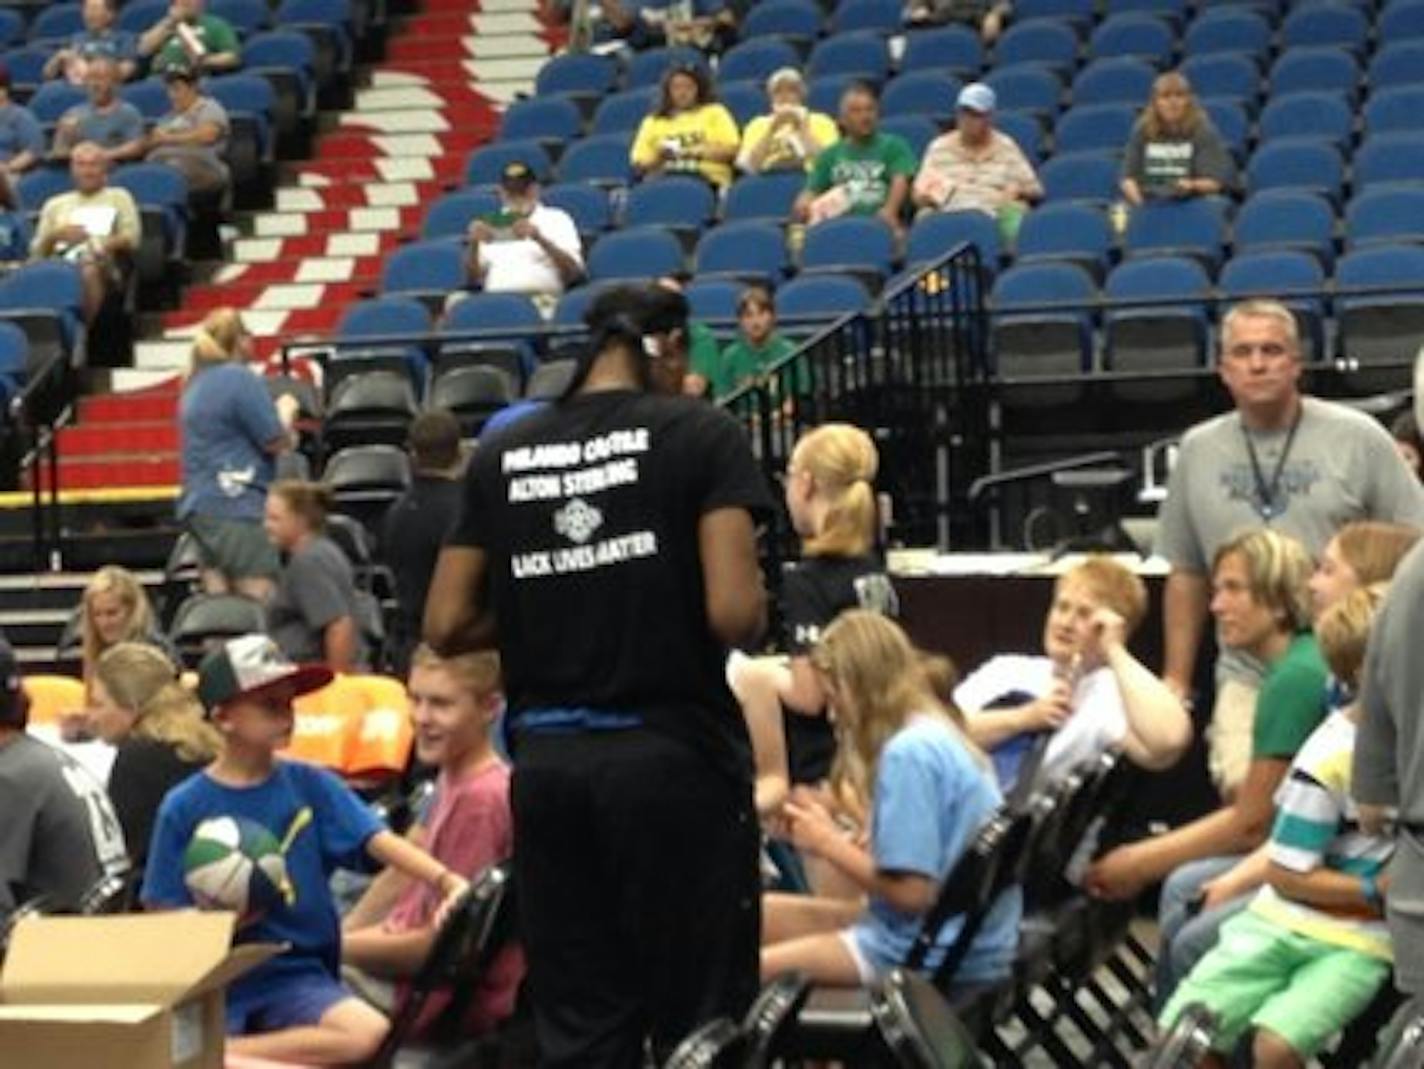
<point>250,665</point>
<point>516,175</point>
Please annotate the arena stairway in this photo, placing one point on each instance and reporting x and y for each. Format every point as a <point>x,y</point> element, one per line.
<point>448,72</point>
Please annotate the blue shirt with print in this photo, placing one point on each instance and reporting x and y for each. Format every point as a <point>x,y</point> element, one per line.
<point>19,132</point>
<point>228,421</point>
<point>110,128</point>
<point>931,799</point>
<point>118,45</point>
<point>329,828</point>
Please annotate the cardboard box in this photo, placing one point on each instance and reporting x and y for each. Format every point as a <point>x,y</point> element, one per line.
<point>140,991</point>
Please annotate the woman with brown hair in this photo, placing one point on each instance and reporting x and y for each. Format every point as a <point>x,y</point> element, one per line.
<point>688,132</point>
<point>1174,151</point>
<point>313,614</point>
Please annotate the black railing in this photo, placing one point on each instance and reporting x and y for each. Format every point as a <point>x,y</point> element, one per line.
<point>910,371</point>
<point>37,412</point>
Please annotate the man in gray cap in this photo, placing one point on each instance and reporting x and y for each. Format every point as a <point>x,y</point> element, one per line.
<point>791,136</point>
<point>975,167</point>
<point>526,246</point>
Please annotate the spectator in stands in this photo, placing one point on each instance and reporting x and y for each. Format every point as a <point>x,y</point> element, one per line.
<point>1192,910</point>
<point>291,1008</point>
<point>1087,689</point>
<point>454,703</point>
<point>60,832</point>
<point>704,355</point>
<point>159,730</point>
<point>1312,949</point>
<point>791,136</point>
<point>314,614</point>
<point>1174,150</point>
<point>977,168</point>
<point>22,141</point>
<point>922,789</point>
<point>759,345</point>
<point>95,225</point>
<point>1261,601</point>
<point>866,172</point>
<point>1300,465</point>
<point>1405,432</point>
<point>105,120</point>
<point>187,36</point>
<point>232,432</point>
<point>98,40</point>
<point>688,132</point>
<point>417,522</point>
<point>710,25</point>
<point>192,138</point>
<point>115,609</point>
<point>987,16</point>
<point>527,246</point>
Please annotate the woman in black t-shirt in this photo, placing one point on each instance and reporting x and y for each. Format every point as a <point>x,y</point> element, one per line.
<point>158,726</point>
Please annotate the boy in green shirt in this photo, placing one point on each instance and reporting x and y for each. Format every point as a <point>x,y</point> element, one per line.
<point>760,346</point>
<point>870,171</point>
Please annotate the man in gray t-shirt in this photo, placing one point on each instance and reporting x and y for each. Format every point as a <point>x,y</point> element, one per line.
<point>315,591</point>
<point>58,831</point>
<point>1300,465</point>
<point>114,125</point>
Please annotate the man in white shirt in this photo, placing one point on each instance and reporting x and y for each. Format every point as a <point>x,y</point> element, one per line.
<point>526,247</point>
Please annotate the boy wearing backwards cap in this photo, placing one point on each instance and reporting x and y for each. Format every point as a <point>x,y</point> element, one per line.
<point>291,1007</point>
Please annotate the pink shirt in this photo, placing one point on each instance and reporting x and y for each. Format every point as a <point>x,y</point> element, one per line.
<point>469,828</point>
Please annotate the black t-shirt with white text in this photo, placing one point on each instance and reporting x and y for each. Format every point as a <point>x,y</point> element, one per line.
<point>588,512</point>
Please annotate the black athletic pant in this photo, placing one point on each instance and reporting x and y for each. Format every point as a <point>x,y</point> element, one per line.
<point>637,880</point>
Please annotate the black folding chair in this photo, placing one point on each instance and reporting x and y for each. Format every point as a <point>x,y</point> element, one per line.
<point>718,1044</point>
<point>1188,1040</point>
<point>771,1017</point>
<point>1408,1049</point>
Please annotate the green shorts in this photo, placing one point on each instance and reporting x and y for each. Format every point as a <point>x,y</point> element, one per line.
<point>237,548</point>
<point>1265,976</point>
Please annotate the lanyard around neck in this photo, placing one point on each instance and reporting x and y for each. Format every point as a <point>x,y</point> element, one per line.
<point>1267,492</point>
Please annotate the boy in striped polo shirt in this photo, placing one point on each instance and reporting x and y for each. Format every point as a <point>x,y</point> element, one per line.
<point>1312,949</point>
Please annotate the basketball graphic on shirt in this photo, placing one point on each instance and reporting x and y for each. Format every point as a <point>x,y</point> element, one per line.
<point>236,864</point>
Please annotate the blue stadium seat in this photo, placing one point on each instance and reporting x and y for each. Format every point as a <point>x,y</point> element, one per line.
<point>288,61</point>
<point>245,16</point>
<point>1311,70</point>
<point>1229,119</point>
<point>797,20</point>
<point>646,69</point>
<point>635,253</point>
<point>161,193</point>
<point>1042,340</point>
<point>587,205</point>
<point>14,359</point>
<point>917,130</point>
<point>1224,76</point>
<point>622,112</point>
<point>1025,129</point>
<point>1397,63</point>
<point>569,312</point>
<point>755,61</point>
<point>929,93</point>
<point>860,55</point>
<point>1227,29</point>
<point>933,235</point>
<point>451,215</point>
<point>1381,327</point>
<point>53,99</point>
<point>1286,219</point>
<point>1401,21</point>
<point>43,299</point>
<point>1066,231</point>
<point>1077,13</point>
<point>431,270</point>
<point>37,186</point>
<point>507,323</point>
<point>1315,116</point>
<point>138,15</point>
<point>1132,34</point>
<point>485,164</point>
<point>824,93</point>
<point>1043,42</point>
<point>678,202</point>
<point>1086,176</point>
<point>1392,215</point>
<point>1399,109</point>
<point>858,245</point>
<point>251,105</point>
<point>763,197</point>
<point>1173,11</point>
<point>1192,227</point>
<point>752,251</point>
<point>876,16</point>
<point>1094,128</point>
<point>602,160</point>
<point>1389,159</point>
<point>1171,336</point>
<point>1122,80</point>
<point>328,24</point>
<point>377,318</point>
<point>820,298</point>
<point>952,49</point>
<point>576,74</point>
<point>57,22</point>
<point>713,299</point>
<point>149,96</point>
<point>745,100</point>
<point>1326,25</point>
<point>1309,166</point>
<point>1275,275</point>
<point>26,66</point>
<point>1027,88</point>
<point>541,119</point>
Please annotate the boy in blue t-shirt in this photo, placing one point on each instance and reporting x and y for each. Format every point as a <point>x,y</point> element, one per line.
<point>292,1007</point>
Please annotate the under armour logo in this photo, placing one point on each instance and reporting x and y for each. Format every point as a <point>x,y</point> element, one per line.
<point>578,520</point>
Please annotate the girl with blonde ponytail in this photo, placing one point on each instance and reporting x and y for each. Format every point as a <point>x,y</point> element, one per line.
<point>927,790</point>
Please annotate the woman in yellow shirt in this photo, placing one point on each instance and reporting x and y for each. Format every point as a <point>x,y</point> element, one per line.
<point>688,133</point>
<point>791,136</point>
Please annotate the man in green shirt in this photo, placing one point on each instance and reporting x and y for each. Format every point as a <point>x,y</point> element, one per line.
<point>190,38</point>
<point>865,173</point>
